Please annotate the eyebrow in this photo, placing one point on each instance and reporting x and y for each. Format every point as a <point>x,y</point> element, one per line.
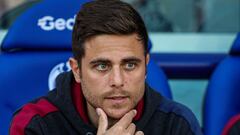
<point>99,60</point>
<point>131,59</point>
<point>125,60</point>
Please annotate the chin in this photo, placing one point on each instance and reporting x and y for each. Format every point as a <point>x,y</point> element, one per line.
<point>116,113</point>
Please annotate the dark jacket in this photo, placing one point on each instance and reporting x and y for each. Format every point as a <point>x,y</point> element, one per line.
<point>233,126</point>
<point>235,129</point>
<point>56,114</point>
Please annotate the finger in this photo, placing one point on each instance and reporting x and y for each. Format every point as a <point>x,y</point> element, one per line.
<point>125,121</point>
<point>102,121</point>
<point>139,133</point>
<point>131,129</point>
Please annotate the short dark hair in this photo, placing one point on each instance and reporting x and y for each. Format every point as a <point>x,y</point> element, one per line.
<point>106,17</point>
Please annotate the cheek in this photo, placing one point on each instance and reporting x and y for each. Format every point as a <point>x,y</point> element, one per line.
<point>93,87</point>
<point>93,81</point>
<point>136,78</point>
<point>91,93</point>
<point>136,83</point>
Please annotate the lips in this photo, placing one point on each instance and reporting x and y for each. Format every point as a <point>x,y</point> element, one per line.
<point>117,99</point>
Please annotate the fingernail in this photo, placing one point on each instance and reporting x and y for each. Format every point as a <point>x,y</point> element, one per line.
<point>135,112</point>
<point>98,111</point>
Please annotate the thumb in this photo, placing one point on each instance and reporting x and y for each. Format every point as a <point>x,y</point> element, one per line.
<point>102,121</point>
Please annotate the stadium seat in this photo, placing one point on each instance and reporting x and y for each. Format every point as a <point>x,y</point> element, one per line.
<point>222,99</point>
<point>36,49</point>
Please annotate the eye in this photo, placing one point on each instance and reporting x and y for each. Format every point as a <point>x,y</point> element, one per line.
<point>130,66</point>
<point>102,67</point>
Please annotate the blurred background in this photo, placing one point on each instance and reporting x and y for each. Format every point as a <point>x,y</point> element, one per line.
<point>201,16</point>
<point>180,28</point>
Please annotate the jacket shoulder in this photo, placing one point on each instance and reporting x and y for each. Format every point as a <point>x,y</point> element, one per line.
<point>23,117</point>
<point>180,112</point>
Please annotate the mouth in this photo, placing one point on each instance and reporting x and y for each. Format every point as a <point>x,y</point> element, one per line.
<point>117,99</point>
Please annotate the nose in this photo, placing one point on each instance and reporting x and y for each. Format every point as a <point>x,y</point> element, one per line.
<point>116,78</point>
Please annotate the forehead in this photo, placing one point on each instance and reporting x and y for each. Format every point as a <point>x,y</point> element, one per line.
<point>114,46</point>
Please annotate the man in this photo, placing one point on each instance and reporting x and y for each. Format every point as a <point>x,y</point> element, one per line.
<point>105,93</point>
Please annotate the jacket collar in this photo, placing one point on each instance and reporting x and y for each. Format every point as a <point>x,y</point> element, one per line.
<point>152,101</point>
<point>64,102</point>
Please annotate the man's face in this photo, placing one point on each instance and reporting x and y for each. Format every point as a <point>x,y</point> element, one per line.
<point>112,73</point>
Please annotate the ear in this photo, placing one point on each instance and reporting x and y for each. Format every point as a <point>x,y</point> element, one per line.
<point>75,69</point>
<point>147,59</point>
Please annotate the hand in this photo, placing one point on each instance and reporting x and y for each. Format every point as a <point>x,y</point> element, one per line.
<point>123,127</point>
